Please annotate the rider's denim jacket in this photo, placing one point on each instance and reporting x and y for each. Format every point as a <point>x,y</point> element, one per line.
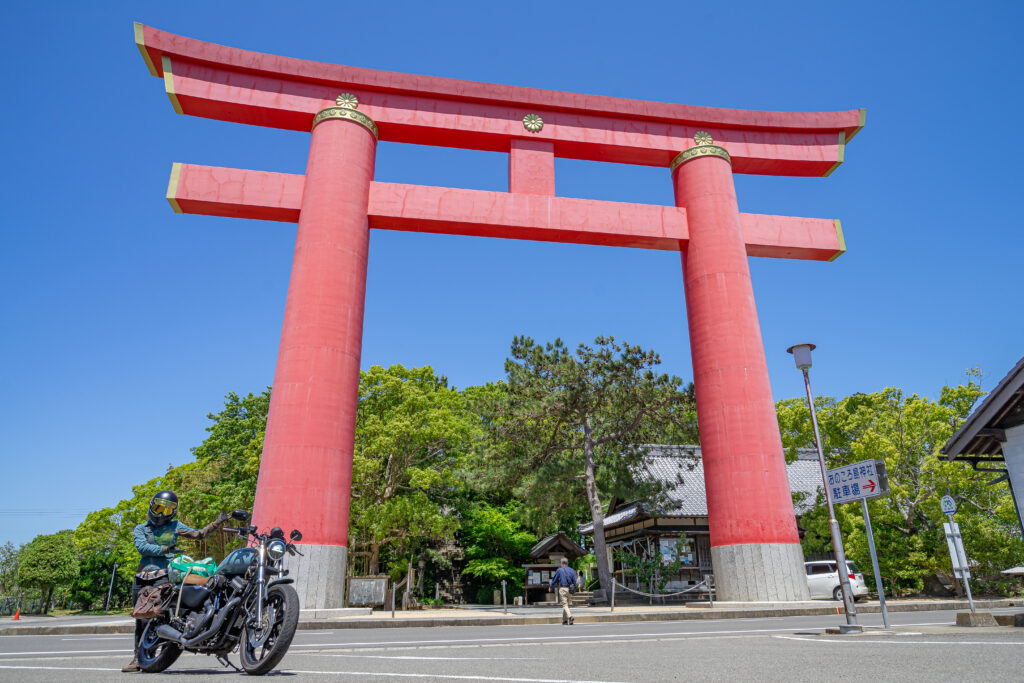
<point>149,538</point>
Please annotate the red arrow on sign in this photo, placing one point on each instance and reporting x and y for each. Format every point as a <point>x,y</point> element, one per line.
<point>870,486</point>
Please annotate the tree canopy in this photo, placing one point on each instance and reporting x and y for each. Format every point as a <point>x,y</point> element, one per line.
<point>907,431</point>
<point>49,561</point>
<point>412,433</point>
<point>462,482</point>
<point>570,428</point>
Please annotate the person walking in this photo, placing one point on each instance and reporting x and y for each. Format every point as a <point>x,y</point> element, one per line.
<point>564,584</point>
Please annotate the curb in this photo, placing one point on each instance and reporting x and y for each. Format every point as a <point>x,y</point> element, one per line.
<point>686,614</point>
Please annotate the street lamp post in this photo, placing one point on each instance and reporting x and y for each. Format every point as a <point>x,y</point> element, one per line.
<point>802,357</point>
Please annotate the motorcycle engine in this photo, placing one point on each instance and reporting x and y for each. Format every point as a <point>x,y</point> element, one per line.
<point>192,624</point>
<point>196,621</point>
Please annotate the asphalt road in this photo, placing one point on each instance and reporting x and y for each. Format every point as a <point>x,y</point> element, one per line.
<point>923,646</point>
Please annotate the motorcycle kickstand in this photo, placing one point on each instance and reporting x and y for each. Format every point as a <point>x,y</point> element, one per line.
<point>223,659</point>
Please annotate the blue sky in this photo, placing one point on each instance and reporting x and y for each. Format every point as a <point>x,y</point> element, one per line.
<point>123,324</point>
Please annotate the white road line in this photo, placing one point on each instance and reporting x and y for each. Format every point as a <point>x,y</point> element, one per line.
<point>58,668</point>
<point>59,652</point>
<point>898,642</point>
<point>124,637</point>
<point>446,676</point>
<point>566,639</point>
<point>445,659</point>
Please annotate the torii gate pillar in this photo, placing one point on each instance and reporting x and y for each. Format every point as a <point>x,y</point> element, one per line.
<point>306,469</point>
<point>755,547</point>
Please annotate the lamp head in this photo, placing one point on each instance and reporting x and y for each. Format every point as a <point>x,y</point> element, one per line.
<point>802,355</point>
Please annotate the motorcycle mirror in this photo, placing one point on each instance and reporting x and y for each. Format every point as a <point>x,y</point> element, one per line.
<point>295,536</point>
<point>277,532</point>
<point>240,515</point>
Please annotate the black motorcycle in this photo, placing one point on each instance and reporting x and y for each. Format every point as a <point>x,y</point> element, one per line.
<point>247,604</point>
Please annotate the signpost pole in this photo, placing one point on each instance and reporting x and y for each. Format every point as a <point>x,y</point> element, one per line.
<point>874,562</point>
<point>802,357</point>
<point>837,538</point>
<point>113,571</point>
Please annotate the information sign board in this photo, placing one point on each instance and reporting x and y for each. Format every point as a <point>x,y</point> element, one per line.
<point>864,479</point>
<point>366,591</point>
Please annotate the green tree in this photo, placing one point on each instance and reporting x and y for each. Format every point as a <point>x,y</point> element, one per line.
<point>412,432</point>
<point>496,546</point>
<point>10,560</point>
<point>570,425</point>
<point>906,431</point>
<point>90,586</point>
<point>49,561</point>
<point>223,477</point>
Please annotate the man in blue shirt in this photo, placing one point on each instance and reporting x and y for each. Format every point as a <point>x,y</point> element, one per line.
<point>155,540</point>
<point>564,583</point>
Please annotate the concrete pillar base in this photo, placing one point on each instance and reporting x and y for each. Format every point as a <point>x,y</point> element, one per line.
<point>759,572</point>
<point>319,576</point>
<point>975,619</point>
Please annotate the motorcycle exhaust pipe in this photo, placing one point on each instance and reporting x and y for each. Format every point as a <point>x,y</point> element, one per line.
<point>168,632</point>
<point>227,610</point>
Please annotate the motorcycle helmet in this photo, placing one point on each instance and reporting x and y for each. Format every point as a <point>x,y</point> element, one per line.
<point>162,508</point>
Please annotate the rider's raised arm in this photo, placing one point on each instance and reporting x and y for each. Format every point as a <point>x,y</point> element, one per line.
<point>197,534</point>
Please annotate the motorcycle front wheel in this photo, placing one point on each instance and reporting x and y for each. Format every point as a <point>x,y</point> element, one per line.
<point>263,646</point>
<point>155,654</point>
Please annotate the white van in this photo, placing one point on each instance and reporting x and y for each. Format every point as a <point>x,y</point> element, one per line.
<point>823,581</point>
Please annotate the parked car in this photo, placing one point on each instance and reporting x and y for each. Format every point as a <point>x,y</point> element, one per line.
<point>823,581</point>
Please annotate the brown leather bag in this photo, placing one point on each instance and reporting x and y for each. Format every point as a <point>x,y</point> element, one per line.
<point>151,601</point>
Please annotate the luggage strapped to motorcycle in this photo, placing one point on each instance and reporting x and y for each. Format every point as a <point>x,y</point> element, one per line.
<point>152,601</point>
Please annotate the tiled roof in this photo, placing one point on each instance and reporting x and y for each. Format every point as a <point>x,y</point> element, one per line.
<point>559,538</point>
<point>689,499</point>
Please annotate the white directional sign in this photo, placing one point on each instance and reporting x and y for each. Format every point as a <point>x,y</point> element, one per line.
<point>956,550</point>
<point>948,505</point>
<point>864,479</point>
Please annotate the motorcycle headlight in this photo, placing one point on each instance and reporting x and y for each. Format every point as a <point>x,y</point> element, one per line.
<point>276,549</point>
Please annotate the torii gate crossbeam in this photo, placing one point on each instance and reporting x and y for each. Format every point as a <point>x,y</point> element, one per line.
<point>305,474</point>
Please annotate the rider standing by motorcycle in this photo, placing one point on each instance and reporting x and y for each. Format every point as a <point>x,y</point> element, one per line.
<point>155,541</point>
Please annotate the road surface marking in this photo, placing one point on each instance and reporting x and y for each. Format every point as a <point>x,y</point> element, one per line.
<point>898,642</point>
<point>58,668</point>
<point>60,652</point>
<point>445,659</point>
<point>445,676</point>
<point>561,639</point>
<point>126,636</point>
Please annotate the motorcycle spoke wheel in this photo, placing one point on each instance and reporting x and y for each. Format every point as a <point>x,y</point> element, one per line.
<point>155,654</point>
<point>263,645</point>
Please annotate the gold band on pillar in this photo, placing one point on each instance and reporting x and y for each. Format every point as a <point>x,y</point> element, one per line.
<point>704,148</point>
<point>346,109</point>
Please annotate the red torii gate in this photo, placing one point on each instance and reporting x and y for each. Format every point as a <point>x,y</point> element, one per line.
<point>305,475</point>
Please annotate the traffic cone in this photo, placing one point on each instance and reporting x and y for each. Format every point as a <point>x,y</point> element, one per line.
<point>17,614</point>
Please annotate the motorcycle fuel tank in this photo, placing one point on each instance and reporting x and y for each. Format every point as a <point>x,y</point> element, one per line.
<point>193,597</point>
<point>237,562</point>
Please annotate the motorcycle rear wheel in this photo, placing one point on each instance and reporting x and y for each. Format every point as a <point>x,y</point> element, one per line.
<point>155,654</point>
<point>262,648</point>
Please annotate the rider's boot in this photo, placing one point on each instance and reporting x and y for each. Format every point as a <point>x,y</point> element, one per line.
<point>132,668</point>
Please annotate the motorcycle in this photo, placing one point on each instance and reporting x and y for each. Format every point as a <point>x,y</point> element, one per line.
<point>248,604</point>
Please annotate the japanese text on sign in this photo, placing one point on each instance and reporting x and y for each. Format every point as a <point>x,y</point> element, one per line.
<point>859,480</point>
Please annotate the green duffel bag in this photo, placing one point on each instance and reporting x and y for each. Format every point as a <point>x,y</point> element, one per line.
<point>184,568</point>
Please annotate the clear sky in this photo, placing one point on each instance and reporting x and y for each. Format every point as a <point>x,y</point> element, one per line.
<point>123,324</point>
